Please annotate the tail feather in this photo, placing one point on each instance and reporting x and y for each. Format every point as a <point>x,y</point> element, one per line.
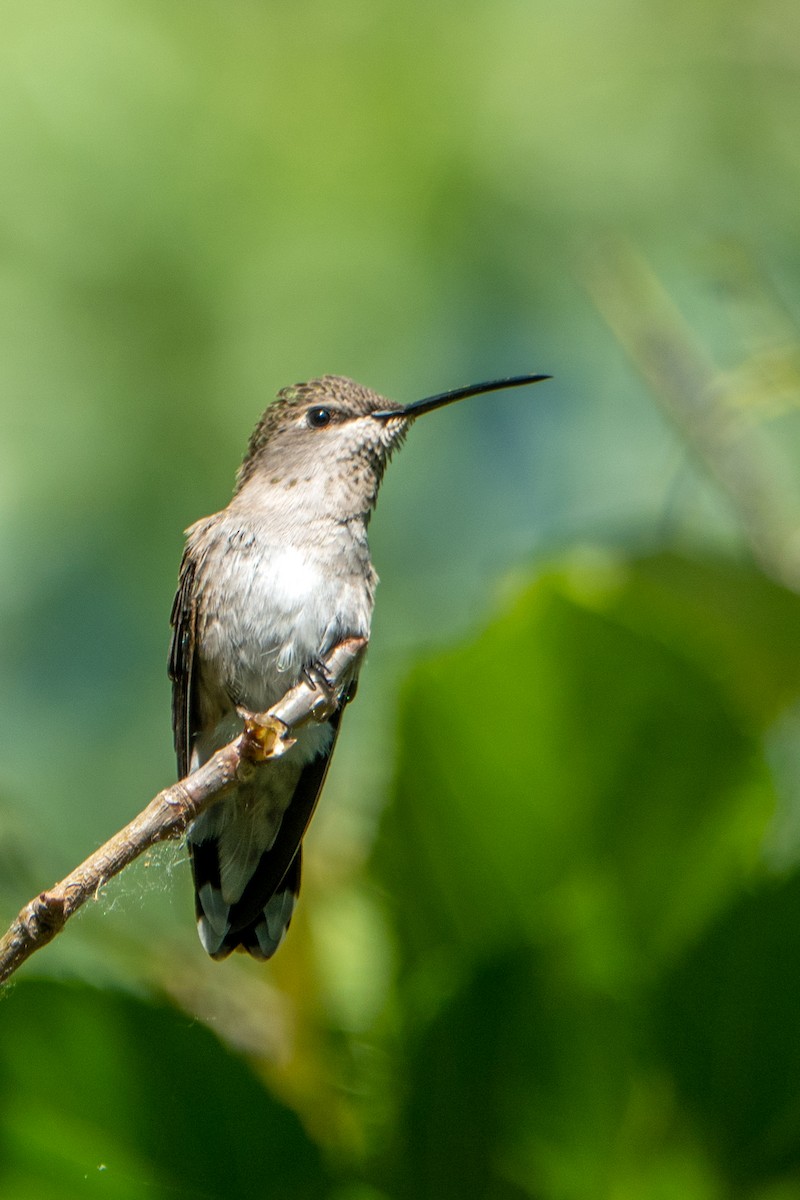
<point>258,929</point>
<point>246,857</point>
<point>270,927</point>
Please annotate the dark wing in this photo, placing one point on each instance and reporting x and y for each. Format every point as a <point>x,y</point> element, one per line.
<point>259,919</point>
<point>275,862</point>
<point>181,662</point>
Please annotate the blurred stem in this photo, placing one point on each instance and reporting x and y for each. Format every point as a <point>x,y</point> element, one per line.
<point>266,736</point>
<point>699,400</point>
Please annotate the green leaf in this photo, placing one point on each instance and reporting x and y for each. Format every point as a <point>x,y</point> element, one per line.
<point>728,1020</point>
<point>577,775</point>
<point>103,1093</point>
<point>731,620</point>
<point>518,1079</point>
<point>591,1005</point>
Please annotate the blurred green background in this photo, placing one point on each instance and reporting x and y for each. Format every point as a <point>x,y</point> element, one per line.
<point>549,939</point>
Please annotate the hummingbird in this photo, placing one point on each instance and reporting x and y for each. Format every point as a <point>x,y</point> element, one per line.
<point>267,587</point>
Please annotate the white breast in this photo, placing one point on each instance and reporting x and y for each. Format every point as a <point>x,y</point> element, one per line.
<point>295,578</point>
<point>276,608</point>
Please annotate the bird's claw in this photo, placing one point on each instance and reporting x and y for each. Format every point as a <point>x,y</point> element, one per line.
<point>318,677</point>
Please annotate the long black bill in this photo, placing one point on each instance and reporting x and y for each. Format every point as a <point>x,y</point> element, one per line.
<point>418,407</point>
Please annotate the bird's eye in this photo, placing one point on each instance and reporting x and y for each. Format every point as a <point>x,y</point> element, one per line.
<point>318,418</point>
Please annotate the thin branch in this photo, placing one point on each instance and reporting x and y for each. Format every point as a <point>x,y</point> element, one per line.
<point>266,736</point>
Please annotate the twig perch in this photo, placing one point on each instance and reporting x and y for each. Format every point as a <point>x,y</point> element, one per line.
<point>265,736</point>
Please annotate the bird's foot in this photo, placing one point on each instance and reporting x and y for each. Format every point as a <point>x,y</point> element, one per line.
<point>318,677</point>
